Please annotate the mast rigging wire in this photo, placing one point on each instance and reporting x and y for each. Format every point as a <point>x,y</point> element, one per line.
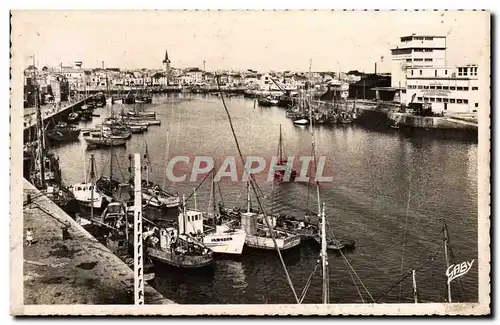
<point>252,181</point>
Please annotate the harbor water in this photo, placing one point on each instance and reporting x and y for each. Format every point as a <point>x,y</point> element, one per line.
<point>389,192</point>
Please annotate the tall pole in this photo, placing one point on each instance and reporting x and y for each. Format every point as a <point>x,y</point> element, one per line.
<point>248,197</point>
<point>195,201</point>
<point>324,257</point>
<point>138,249</point>
<point>446,242</point>
<point>41,144</point>
<point>415,297</point>
<point>92,186</point>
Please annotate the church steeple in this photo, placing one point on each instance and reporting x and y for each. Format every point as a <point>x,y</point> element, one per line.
<point>166,60</point>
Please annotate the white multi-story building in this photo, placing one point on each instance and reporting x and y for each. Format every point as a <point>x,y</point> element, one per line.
<point>421,51</point>
<point>421,74</point>
<point>445,89</point>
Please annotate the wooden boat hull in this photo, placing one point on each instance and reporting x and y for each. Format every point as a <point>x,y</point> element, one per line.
<point>105,142</point>
<point>267,243</point>
<point>181,261</point>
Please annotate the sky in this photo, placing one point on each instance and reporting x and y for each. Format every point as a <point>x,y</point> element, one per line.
<point>260,40</point>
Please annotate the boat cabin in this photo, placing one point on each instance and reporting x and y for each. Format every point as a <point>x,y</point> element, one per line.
<point>190,222</point>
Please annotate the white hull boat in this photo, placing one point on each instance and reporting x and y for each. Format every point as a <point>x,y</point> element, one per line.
<point>225,241</point>
<point>263,242</point>
<point>301,121</point>
<point>83,194</point>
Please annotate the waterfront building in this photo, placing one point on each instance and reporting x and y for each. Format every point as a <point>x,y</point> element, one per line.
<point>444,89</point>
<point>416,51</point>
<point>420,74</point>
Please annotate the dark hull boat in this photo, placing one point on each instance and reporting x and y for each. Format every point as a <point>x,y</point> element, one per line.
<point>337,245</point>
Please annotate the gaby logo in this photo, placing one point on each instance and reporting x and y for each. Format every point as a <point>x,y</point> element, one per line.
<point>458,270</point>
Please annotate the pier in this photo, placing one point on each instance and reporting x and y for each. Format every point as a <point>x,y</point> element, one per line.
<point>67,265</point>
<point>56,112</point>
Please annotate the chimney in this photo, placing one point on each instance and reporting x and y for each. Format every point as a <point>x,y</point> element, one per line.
<point>375,67</point>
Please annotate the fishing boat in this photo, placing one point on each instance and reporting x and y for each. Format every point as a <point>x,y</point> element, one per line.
<point>86,193</point>
<point>117,132</point>
<point>265,235</point>
<point>281,167</point>
<point>221,235</point>
<point>114,217</point>
<point>335,244</point>
<point>302,121</point>
<point>152,194</point>
<point>267,101</point>
<point>176,247</point>
<point>220,238</point>
<point>142,114</point>
<point>148,121</point>
<point>99,139</point>
<point>304,228</point>
<point>63,132</point>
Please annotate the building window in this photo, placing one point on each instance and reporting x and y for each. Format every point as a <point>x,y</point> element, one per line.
<point>428,38</point>
<point>460,71</point>
<point>432,87</point>
<point>426,99</point>
<point>418,50</point>
<point>420,72</point>
<point>433,99</point>
<point>439,87</point>
<point>418,60</point>
<point>411,72</point>
<point>439,100</point>
<point>428,60</point>
<point>435,73</point>
<point>466,101</point>
<point>459,88</point>
<point>428,50</point>
<point>419,86</point>
<point>446,72</point>
<point>452,100</point>
<point>452,88</point>
<point>474,88</point>
<point>459,101</point>
<point>408,60</point>
<point>475,71</point>
<point>476,105</point>
<point>445,87</point>
<point>465,88</point>
<point>445,100</point>
<point>419,98</point>
<point>426,87</point>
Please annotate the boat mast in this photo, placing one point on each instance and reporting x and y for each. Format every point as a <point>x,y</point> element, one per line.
<point>280,148</point>
<point>249,203</point>
<point>146,167</point>
<point>213,194</point>
<point>92,186</point>
<point>324,258</point>
<point>166,159</point>
<point>446,242</point>
<point>41,149</point>
<point>138,249</point>
<point>415,297</point>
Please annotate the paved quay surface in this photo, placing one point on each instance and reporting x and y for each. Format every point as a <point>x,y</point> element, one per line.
<point>74,270</point>
<point>48,110</point>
